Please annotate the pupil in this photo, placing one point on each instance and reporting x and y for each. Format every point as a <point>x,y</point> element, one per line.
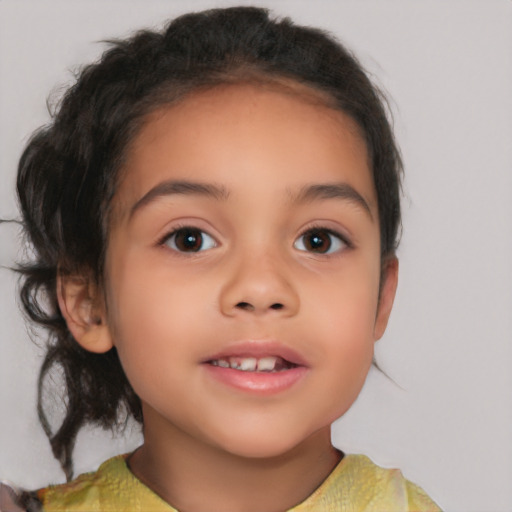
<point>189,240</point>
<point>318,242</point>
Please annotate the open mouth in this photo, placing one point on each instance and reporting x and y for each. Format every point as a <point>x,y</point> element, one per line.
<point>257,368</point>
<point>267,364</point>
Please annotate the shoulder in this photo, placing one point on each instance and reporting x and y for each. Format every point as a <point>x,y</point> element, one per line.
<point>89,492</point>
<point>357,484</point>
<point>389,486</point>
<point>112,488</point>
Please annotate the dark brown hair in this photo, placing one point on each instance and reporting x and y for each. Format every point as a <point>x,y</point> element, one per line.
<point>68,172</point>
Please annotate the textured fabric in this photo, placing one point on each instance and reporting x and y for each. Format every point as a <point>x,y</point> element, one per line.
<point>355,485</point>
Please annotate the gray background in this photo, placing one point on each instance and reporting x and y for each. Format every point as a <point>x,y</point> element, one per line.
<point>448,67</point>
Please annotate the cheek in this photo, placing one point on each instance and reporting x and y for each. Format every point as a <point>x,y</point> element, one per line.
<point>350,344</point>
<point>345,305</point>
<point>153,315</point>
<point>349,355</point>
<point>148,296</point>
<point>344,320</point>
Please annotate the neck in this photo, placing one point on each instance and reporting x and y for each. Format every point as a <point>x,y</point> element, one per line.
<point>176,465</point>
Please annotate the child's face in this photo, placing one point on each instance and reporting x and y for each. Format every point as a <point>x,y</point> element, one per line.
<point>246,231</point>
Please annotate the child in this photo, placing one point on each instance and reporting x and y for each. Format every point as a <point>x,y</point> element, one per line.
<point>214,214</point>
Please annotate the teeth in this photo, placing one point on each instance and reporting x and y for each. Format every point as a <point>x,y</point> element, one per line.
<point>267,364</point>
<point>250,364</point>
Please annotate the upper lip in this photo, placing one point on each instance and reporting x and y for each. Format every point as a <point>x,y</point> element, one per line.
<point>258,349</point>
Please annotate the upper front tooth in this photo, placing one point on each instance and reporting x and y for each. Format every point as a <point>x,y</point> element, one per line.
<point>247,364</point>
<point>267,363</point>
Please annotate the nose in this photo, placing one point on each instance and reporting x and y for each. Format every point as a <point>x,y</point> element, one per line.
<point>259,285</point>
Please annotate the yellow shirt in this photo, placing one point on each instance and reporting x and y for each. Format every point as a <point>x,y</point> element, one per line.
<point>355,485</point>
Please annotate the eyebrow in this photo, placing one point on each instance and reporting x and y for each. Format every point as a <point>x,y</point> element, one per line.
<point>179,187</point>
<point>306,194</point>
<point>331,191</point>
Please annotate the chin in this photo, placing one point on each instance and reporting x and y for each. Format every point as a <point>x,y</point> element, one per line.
<point>266,443</point>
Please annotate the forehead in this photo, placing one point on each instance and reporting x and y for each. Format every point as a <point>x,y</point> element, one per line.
<point>285,135</point>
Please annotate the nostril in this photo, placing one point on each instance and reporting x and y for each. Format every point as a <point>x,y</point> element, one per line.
<point>246,306</point>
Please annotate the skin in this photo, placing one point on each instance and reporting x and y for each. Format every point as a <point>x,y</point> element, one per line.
<point>254,281</point>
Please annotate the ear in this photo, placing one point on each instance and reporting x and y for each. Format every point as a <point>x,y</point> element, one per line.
<point>82,305</point>
<point>389,282</point>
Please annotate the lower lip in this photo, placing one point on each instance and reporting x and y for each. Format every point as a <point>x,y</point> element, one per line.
<point>260,383</point>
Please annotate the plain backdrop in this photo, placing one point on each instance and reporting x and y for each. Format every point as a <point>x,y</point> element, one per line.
<point>447,65</point>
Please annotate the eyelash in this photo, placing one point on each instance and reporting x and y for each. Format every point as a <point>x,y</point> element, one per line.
<point>192,229</point>
<point>341,242</point>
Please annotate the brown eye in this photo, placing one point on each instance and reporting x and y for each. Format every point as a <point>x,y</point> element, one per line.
<point>320,241</point>
<point>190,240</point>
